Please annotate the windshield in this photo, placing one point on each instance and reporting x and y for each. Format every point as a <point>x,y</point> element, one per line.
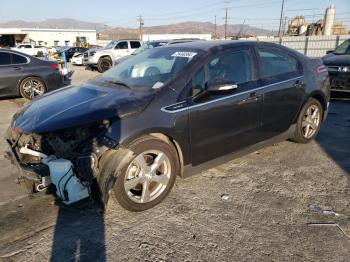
<point>343,49</point>
<point>150,69</point>
<point>111,45</point>
<point>148,45</point>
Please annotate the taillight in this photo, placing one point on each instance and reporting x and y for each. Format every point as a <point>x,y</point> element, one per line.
<point>54,67</point>
<point>321,69</point>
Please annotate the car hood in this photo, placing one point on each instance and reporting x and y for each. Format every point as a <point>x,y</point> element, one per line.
<point>80,105</point>
<point>336,60</point>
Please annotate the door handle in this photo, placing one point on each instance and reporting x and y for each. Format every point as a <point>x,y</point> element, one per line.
<point>299,84</point>
<point>17,68</point>
<point>253,96</point>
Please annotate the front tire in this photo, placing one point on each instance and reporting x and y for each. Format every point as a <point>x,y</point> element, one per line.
<point>104,64</point>
<point>149,176</point>
<point>32,87</point>
<point>309,121</point>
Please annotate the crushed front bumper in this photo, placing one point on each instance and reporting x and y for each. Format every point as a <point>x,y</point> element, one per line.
<point>30,176</point>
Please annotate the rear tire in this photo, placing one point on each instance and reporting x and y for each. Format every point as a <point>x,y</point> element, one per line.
<point>104,64</point>
<point>32,87</point>
<point>138,188</point>
<point>309,122</point>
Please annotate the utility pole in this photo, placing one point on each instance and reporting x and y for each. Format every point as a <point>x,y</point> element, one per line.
<point>281,19</point>
<point>215,28</point>
<point>226,2</point>
<point>141,21</point>
<point>225,22</point>
<point>284,26</point>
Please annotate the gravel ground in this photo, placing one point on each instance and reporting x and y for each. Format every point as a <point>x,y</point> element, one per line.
<point>286,202</point>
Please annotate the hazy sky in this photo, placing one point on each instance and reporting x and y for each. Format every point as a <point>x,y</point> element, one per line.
<point>262,13</point>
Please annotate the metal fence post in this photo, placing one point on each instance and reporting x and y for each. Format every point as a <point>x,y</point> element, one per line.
<point>337,39</point>
<point>306,45</point>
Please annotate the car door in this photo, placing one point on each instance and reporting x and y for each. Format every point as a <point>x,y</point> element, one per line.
<point>281,76</point>
<point>134,45</point>
<point>10,74</point>
<point>220,124</point>
<point>122,49</point>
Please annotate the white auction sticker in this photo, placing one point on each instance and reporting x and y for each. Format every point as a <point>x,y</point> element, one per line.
<point>184,54</point>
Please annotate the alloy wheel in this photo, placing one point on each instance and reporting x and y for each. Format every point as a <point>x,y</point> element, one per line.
<point>33,88</point>
<point>147,176</point>
<point>311,121</point>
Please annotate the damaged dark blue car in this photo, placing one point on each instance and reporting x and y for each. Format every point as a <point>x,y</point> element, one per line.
<point>166,112</point>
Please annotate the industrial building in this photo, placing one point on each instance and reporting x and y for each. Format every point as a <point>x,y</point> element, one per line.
<point>46,36</point>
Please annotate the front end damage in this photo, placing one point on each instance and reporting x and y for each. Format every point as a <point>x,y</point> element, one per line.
<point>66,161</point>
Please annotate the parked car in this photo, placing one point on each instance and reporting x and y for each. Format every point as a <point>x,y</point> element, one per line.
<point>153,44</point>
<point>338,64</point>
<point>77,59</point>
<point>70,51</point>
<point>131,134</point>
<point>26,76</point>
<point>103,58</point>
<point>30,49</point>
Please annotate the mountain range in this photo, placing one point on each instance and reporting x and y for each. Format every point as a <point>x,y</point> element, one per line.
<point>121,32</point>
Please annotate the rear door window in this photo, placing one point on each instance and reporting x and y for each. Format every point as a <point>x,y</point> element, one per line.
<point>18,59</point>
<point>135,44</point>
<point>5,58</point>
<point>277,64</point>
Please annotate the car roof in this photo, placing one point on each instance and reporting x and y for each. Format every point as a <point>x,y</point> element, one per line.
<point>14,52</point>
<point>207,45</point>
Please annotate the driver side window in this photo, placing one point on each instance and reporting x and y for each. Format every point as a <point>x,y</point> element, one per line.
<point>198,82</point>
<point>231,65</point>
<point>122,45</point>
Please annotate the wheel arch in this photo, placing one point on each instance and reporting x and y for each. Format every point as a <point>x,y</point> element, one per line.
<point>320,97</point>
<point>105,56</point>
<point>165,138</point>
<point>31,75</point>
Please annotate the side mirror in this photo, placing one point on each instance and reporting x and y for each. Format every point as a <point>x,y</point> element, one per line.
<point>219,87</point>
<point>329,51</point>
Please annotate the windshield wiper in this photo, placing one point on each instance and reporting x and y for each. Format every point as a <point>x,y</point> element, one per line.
<point>117,83</point>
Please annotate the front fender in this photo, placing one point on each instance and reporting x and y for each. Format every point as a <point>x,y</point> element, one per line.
<point>111,165</point>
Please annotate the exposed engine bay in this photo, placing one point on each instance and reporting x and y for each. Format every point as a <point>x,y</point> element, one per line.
<point>67,159</point>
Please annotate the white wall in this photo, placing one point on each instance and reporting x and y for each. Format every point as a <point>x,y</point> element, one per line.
<point>49,36</point>
<point>314,46</point>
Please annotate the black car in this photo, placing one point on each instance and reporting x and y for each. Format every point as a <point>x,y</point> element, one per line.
<point>170,111</point>
<point>27,76</point>
<point>70,51</point>
<point>338,64</point>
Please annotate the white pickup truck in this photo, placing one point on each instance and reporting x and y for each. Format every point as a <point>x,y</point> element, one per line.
<point>103,58</point>
<point>30,49</point>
